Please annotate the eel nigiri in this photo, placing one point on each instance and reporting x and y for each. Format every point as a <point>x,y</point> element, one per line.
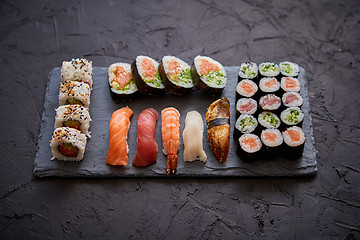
<point>193,137</point>
<point>147,148</point>
<point>118,148</point>
<point>218,127</point>
<point>171,137</point>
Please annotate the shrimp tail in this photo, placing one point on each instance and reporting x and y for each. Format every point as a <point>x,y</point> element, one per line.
<point>171,164</point>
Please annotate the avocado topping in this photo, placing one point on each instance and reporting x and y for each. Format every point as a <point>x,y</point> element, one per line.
<point>72,124</point>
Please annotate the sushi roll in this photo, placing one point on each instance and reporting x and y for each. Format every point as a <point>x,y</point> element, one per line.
<point>268,120</point>
<point>289,69</point>
<point>73,92</point>
<point>248,70</point>
<point>176,75</point>
<point>246,106</point>
<point>294,139</point>
<point>269,85</point>
<point>292,99</point>
<point>121,82</point>
<point>68,144</point>
<point>78,69</point>
<point>73,116</point>
<point>249,147</point>
<point>147,77</point>
<point>269,69</point>
<point>209,75</point>
<point>290,84</point>
<point>292,116</point>
<point>246,88</point>
<point>272,140</point>
<point>270,102</point>
<point>246,123</point>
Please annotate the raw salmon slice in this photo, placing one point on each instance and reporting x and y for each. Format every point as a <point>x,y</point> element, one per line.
<point>290,83</point>
<point>271,83</point>
<point>294,135</point>
<point>118,148</point>
<point>270,136</point>
<point>148,68</point>
<point>250,141</point>
<point>121,77</point>
<point>248,88</point>
<point>206,66</point>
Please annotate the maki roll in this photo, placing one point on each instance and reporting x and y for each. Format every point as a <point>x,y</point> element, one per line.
<point>289,69</point>
<point>73,92</point>
<point>268,120</point>
<point>176,75</point>
<point>269,69</point>
<point>248,70</point>
<point>290,84</point>
<point>292,99</point>
<point>269,85</point>
<point>246,106</point>
<point>209,75</point>
<point>272,140</point>
<point>147,76</point>
<point>73,116</point>
<point>78,69</point>
<point>270,102</point>
<point>249,147</point>
<point>292,116</point>
<point>68,144</point>
<point>121,82</point>
<point>294,138</point>
<point>246,88</point>
<point>246,123</point>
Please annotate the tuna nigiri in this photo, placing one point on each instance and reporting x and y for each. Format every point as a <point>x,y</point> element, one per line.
<point>147,148</point>
<point>171,137</point>
<point>193,137</point>
<point>218,128</point>
<point>118,148</point>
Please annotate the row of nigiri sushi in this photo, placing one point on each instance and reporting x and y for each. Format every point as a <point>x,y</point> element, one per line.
<point>218,130</point>
<point>172,74</point>
<point>72,120</point>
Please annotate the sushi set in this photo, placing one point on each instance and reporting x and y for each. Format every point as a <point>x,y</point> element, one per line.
<point>152,119</point>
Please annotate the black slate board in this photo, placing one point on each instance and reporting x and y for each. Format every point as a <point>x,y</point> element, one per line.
<point>101,108</point>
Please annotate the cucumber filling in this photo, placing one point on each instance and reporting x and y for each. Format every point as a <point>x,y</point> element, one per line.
<point>215,77</point>
<point>269,68</point>
<point>245,123</point>
<point>247,71</point>
<point>156,81</point>
<point>183,78</point>
<point>270,119</point>
<point>292,117</point>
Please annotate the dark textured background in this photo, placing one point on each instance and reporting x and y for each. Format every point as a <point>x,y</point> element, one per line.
<point>322,36</point>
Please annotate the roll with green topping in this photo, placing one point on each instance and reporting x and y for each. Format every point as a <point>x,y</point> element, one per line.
<point>268,120</point>
<point>147,76</point>
<point>176,75</point>
<point>209,75</point>
<point>245,123</point>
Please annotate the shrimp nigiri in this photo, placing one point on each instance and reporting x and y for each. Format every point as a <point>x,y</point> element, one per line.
<point>118,148</point>
<point>193,137</point>
<point>147,148</point>
<point>171,137</point>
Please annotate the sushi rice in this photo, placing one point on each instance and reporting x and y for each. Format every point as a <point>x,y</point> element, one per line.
<point>78,69</point>
<point>153,81</point>
<point>214,78</point>
<point>182,75</point>
<point>73,92</point>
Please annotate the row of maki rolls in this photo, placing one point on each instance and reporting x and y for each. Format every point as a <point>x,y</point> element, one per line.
<point>72,119</point>
<point>147,76</point>
<point>268,111</point>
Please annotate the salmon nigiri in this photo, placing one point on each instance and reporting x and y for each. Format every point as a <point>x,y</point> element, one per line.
<point>171,137</point>
<point>147,148</point>
<point>118,148</point>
